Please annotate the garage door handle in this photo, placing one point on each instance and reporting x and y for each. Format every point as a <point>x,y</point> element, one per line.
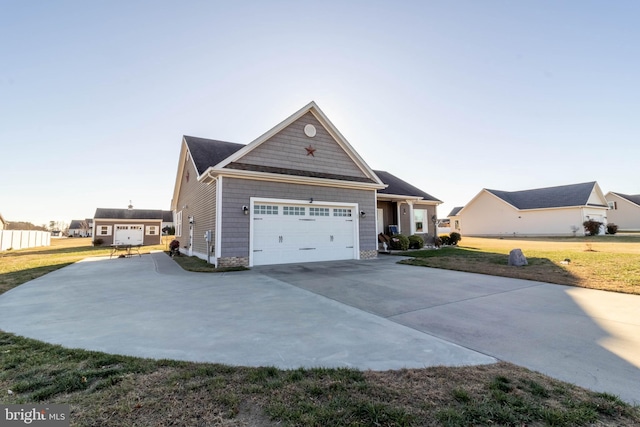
<point>331,238</point>
<point>280,239</point>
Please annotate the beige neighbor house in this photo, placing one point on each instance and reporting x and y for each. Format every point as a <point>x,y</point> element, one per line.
<point>137,227</point>
<point>298,193</point>
<point>552,211</point>
<point>624,210</point>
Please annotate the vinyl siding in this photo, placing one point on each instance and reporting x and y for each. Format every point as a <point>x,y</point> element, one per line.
<point>147,239</point>
<point>237,193</point>
<point>287,150</point>
<point>627,214</point>
<point>198,200</point>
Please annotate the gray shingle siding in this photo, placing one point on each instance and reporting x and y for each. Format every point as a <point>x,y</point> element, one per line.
<point>286,150</point>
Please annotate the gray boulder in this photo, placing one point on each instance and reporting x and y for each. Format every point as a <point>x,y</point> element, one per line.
<point>517,258</point>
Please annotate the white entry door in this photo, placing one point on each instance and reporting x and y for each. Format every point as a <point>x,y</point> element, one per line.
<point>287,233</point>
<point>128,235</point>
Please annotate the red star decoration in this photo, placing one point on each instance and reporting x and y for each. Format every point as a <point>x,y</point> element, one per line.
<point>310,150</point>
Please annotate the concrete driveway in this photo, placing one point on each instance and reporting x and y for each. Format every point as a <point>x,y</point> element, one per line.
<point>365,314</point>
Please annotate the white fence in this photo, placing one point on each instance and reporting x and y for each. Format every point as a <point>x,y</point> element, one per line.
<point>21,239</point>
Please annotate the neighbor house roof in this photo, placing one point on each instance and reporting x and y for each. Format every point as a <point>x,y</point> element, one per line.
<point>550,197</point>
<point>632,198</point>
<point>105,213</point>
<point>167,216</point>
<point>398,187</point>
<point>455,211</point>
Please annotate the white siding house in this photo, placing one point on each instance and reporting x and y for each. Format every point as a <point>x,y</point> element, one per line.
<point>624,210</point>
<point>552,211</point>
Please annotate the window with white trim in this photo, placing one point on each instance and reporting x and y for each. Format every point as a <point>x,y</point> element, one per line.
<point>341,212</point>
<point>294,210</point>
<point>419,216</point>
<point>152,230</point>
<point>318,211</point>
<point>265,210</point>
<point>179,224</point>
<point>104,230</point>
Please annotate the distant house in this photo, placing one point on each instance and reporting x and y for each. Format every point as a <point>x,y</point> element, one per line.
<point>167,220</point>
<point>454,219</point>
<point>81,227</point>
<point>3,223</point>
<point>128,226</point>
<point>544,211</point>
<point>407,207</point>
<point>624,210</point>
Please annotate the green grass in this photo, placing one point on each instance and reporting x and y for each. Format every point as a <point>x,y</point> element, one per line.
<point>192,263</point>
<point>113,390</point>
<point>610,263</point>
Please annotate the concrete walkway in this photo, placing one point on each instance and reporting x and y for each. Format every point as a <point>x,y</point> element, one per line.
<point>364,314</point>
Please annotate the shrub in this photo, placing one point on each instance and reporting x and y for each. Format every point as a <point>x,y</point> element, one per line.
<point>416,242</point>
<point>454,238</point>
<point>612,228</point>
<point>399,242</point>
<point>444,239</point>
<point>98,242</point>
<point>591,227</point>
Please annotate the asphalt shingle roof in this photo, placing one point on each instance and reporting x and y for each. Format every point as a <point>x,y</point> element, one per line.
<point>635,198</point>
<point>209,152</point>
<point>398,187</point>
<point>551,197</point>
<point>106,213</point>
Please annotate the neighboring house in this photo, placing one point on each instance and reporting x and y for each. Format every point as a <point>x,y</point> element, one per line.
<point>624,211</point>
<point>128,226</point>
<point>167,220</point>
<point>3,223</point>
<point>81,227</point>
<point>454,219</point>
<point>408,208</point>
<point>544,211</point>
<point>298,193</point>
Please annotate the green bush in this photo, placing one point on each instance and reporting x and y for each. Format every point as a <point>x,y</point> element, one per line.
<point>98,242</point>
<point>454,238</point>
<point>416,242</point>
<point>444,239</point>
<point>591,227</point>
<point>612,228</point>
<point>399,242</point>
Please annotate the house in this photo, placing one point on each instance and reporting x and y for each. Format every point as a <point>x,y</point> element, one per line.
<point>624,210</point>
<point>409,209</point>
<point>544,211</point>
<point>3,223</point>
<point>454,219</point>
<point>167,221</point>
<point>81,227</point>
<point>128,226</point>
<point>298,193</point>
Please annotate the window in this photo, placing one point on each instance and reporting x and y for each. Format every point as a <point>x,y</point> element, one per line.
<point>293,210</point>
<point>265,210</point>
<point>104,230</point>
<point>612,205</point>
<point>341,212</point>
<point>318,211</point>
<point>419,220</point>
<point>179,224</point>
<point>152,230</point>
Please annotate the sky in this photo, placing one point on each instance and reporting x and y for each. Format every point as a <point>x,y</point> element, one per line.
<point>451,96</point>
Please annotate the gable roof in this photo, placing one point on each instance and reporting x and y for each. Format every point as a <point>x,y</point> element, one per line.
<point>167,216</point>
<point>227,164</point>
<point>209,152</point>
<point>632,198</point>
<point>398,187</point>
<point>455,211</point>
<point>550,197</point>
<point>106,213</point>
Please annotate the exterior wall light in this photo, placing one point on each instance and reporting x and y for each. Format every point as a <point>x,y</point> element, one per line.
<point>245,210</point>
<point>363,214</point>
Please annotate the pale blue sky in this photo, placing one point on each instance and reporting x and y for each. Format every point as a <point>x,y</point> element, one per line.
<point>452,96</point>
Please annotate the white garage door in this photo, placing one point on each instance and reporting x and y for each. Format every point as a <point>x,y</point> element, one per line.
<point>287,233</point>
<point>128,235</point>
